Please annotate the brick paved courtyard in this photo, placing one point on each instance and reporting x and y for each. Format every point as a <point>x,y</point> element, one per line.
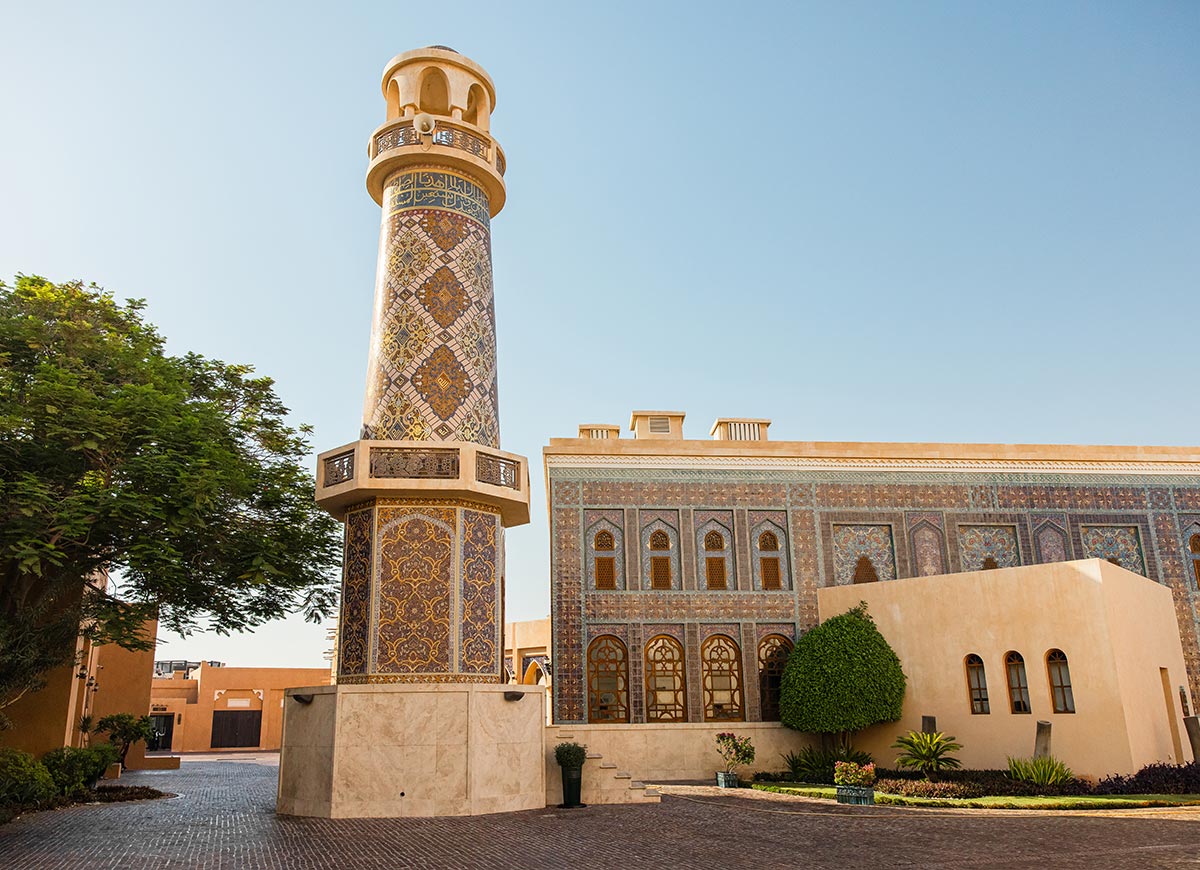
<point>224,817</point>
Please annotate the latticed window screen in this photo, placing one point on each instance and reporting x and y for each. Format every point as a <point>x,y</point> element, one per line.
<point>666,695</point>
<point>989,564</point>
<point>773,652</point>
<point>768,541</point>
<point>660,572</point>
<point>721,664</point>
<point>1018,684</point>
<point>608,680</point>
<point>714,541</point>
<point>1194,546</point>
<point>769,571</point>
<point>606,572</point>
<point>714,572</point>
<point>604,540</point>
<point>1060,681</point>
<point>977,685</point>
<point>864,571</point>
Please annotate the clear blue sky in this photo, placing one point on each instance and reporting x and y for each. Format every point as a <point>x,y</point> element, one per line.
<point>866,221</point>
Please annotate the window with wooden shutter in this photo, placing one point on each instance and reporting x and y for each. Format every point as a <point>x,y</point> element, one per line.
<point>769,569</point>
<point>660,572</point>
<point>606,572</point>
<point>714,572</point>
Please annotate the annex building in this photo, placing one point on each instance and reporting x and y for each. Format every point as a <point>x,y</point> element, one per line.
<point>683,571</point>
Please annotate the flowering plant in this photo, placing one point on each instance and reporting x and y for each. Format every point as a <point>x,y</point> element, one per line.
<point>849,773</point>
<point>734,750</point>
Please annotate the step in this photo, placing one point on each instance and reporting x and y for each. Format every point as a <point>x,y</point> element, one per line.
<point>636,784</point>
<point>651,791</point>
<point>562,736</point>
<point>607,765</point>
<point>595,755</point>
<point>623,774</point>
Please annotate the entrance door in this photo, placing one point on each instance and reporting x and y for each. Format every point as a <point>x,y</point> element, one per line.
<point>236,728</point>
<point>164,729</point>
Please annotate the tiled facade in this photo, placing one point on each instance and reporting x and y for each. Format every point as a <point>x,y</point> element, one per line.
<point>907,523</point>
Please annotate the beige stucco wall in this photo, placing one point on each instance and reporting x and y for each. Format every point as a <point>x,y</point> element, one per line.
<point>665,752</point>
<point>1116,628</point>
<point>412,749</point>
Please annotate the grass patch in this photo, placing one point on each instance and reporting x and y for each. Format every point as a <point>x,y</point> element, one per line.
<point>1091,802</point>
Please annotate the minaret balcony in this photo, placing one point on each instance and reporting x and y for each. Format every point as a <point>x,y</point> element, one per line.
<point>459,145</point>
<point>369,469</point>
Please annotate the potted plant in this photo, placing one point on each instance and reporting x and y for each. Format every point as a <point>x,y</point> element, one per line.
<point>734,751</point>
<point>855,782</point>
<point>570,757</point>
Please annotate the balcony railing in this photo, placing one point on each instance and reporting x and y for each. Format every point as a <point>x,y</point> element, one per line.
<point>447,134</point>
<point>340,468</point>
<point>496,471</point>
<point>414,464</point>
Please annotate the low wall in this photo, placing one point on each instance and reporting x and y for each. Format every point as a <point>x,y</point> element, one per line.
<point>667,752</point>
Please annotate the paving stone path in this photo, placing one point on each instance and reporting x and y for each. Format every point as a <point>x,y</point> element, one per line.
<point>224,818</point>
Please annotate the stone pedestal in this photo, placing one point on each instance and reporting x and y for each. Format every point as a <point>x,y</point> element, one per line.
<point>448,749</point>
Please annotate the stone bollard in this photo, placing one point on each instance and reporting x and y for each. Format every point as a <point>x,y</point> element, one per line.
<point>1041,744</point>
<point>929,724</point>
<point>1192,724</point>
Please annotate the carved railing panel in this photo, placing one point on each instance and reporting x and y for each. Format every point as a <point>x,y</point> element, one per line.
<point>496,471</point>
<point>340,468</point>
<point>444,135</point>
<point>400,462</point>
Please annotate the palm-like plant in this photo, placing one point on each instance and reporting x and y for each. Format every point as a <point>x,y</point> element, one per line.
<point>928,752</point>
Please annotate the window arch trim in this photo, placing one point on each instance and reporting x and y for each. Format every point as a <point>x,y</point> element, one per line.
<point>773,652</point>
<point>607,679</point>
<point>666,680</point>
<point>1018,683</point>
<point>977,691</point>
<point>1058,674</point>
<point>721,679</point>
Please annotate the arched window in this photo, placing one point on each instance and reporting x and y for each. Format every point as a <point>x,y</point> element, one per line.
<point>989,564</point>
<point>773,652</point>
<point>1060,681</point>
<point>714,566</point>
<point>660,566</point>
<point>476,112</point>
<point>608,680</point>
<point>435,92</point>
<point>1194,546</point>
<point>393,100</point>
<point>768,561</point>
<point>864,571</point>
<point>1018,684</point>
<point>606,566</point>
<point>666,693</point>
<point>721,664</point>
<point>977,685</point>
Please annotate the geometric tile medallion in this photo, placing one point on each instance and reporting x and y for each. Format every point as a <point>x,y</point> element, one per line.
<point>444,297</point>
<point>442,382</point>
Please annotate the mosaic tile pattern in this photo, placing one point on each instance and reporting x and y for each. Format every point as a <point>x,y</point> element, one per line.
<point>613,523</point>
<point>773,522</point>
<point>668,523</point>
<point>1048,513</point>
<point>927,549</point>
<point>480,642</point>
<point>1113,542</point>
<point>720,522</point>
<point>416,571</point>
<point>354,624</point>
<point>851,543</point>
<point>978,544</point>
<point>432,374</point>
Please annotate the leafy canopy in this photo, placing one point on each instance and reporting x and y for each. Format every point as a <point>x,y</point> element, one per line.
<point>842,676</point>
<point>180,476</point>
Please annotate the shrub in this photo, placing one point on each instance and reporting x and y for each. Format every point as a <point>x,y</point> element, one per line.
<point>927,752</point>
<point>124,730</point>
<point>923,788</point>
<point>735,751</point>
<point>842,677</point>
<point>76,770</point>
<point>849,773</point>
<point>815,764</point>
<point>1047,771</point>
<point>570,755</point>
<point>1154,779</point>
<point>768,776</point>
<point>23,779</point>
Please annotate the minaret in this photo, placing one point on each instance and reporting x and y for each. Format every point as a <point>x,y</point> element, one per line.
<point>426,493</point>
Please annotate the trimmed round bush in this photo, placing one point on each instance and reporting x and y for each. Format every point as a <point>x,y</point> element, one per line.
<point>23,779</point>
<point>842,677</point>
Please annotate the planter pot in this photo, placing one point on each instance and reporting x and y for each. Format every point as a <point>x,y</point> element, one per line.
<point>572,778</point>
<point>855,794</point>
<point>726,779</point>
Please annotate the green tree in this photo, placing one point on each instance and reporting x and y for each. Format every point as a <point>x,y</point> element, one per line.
<point>179,477</point>
<point>842,676</point>
<point>124,730</point>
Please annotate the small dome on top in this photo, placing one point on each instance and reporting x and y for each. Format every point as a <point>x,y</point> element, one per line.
<point>442,47</point>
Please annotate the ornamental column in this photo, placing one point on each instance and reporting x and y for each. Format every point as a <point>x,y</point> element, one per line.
<point>426,493</point>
